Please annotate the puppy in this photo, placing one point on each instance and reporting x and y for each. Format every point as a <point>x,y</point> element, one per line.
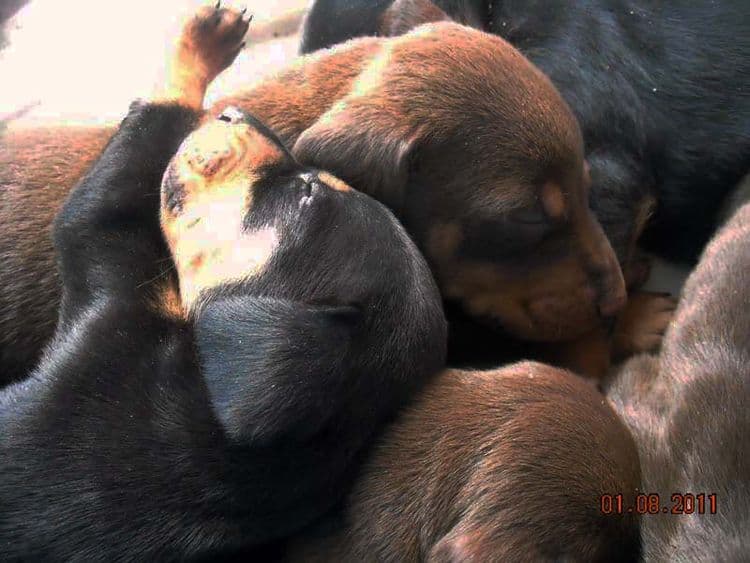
<point>642,80</point>
<point>188,413</point>
<point>452,128</point>
<point>504,465</point>
<point>688,412</point>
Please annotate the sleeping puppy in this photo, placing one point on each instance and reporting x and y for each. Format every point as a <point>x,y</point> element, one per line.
<point>641,77</point>
<point>688,411</point>
<point>504,465</point>
<point>452,128</point>
<point>167,423</point>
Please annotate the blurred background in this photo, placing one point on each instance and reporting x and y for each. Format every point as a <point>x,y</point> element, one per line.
<point>84,61</point>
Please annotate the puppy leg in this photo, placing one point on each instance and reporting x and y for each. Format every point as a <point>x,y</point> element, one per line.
<point>108,235</point>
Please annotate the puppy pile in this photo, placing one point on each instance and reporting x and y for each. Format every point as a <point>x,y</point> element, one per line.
<point>254,332</point>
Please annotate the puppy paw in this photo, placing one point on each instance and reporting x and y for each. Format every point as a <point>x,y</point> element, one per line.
<point>637,271</point>
<point>212,39</point>
<point>208,44</point>
<point>642,324</point>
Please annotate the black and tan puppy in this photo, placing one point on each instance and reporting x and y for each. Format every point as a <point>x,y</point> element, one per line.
<point>661,96</point>
<point>165,426</point>
<point>688,411</point>
<point>485,466</point>
<point>459,134</point>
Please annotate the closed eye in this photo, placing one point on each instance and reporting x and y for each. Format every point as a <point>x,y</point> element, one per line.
<point>527,216</point>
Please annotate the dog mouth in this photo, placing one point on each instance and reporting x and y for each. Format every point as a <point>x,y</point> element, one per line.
<point>555,318</point>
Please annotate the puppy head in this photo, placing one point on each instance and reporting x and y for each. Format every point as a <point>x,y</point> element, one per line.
<point>207,194</point>
<point>499,195</point>
<point>537,263</point>
<point>237,209</point>
<point>233,198</point>
<point>285,270</point>
<point>483,161</point>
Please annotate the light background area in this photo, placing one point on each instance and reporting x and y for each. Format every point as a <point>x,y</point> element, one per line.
<point>86,60</point>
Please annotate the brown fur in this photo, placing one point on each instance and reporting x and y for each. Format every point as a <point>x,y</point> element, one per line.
<point>389,135</point>
<point>688,409</point>
<point>404,15</point>
<point>37,170</point>
<point>505,465</point>
<point>390,117</point>
<point>640,327</point>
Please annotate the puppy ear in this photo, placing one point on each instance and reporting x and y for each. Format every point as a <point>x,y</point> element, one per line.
<point>363,150</point>
<point>405,15</point>
<point>274,369</point>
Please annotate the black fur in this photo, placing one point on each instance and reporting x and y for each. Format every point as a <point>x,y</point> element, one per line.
<point>142,436</point>
<point>661,89</point>
<point>688,409</point>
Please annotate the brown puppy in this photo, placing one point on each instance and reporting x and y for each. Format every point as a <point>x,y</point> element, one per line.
<point>505,465</point>
<point>688,410</point>
<point>452,128</point>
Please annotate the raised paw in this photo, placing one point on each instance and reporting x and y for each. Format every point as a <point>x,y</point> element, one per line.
<point>209,43</point>
<point>642,324</point>
<point>212,39</point>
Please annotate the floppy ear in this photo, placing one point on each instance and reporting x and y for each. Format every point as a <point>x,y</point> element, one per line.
<point>405,15</point>
<point>274,369</point>
<point>367,152</point>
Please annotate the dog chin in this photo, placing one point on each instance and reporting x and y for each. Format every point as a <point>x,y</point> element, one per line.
<point>553,321</point>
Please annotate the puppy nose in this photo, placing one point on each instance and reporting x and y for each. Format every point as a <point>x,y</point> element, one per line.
<point>612,294</point>
<point>232,115</point>
<point>604,272</point>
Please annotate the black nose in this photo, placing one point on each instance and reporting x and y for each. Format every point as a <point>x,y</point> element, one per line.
<point>232,114</point>
<point>310,182</point>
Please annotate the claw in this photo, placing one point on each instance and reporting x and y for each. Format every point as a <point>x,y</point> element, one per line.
<point>243,10</point>
<point>218,5</point>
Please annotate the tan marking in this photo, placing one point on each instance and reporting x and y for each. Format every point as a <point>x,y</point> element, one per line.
<point>184,85</point>
<point>333,182</point>
<point>553,200</point>
<point>196,262</point>
<point>645,211</point>
<point>218,152</point>
<point>554,302</point>
<point>443,241</point>
<point>218,166</point>
<point>264,151</point>
<point>586,176</point>
<point>215,250</point>
<point>166,300</point>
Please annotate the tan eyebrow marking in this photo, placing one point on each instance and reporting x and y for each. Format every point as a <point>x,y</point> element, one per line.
<point>334,182</point>
<point>553,200</point>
